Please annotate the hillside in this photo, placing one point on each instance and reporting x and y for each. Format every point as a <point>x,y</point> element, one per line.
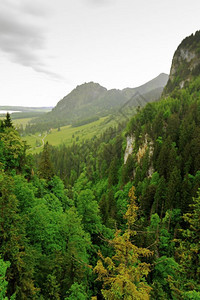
<point>185,64</point>
<point>112,217</point>
<point>91,99</point>
<point>156,83</point>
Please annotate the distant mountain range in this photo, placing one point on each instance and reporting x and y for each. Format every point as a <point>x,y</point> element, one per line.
<point>25,109</point>
<point>91,99</point>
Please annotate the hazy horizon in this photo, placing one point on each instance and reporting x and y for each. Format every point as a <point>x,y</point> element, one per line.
<point>48,48</point>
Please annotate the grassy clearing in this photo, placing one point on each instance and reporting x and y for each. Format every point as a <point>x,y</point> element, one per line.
<point>23,122</point>
<point>68,134</point>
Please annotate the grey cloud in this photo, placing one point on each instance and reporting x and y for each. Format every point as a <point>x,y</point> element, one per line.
<point>35,10</point>
<point>53,75</point>
<point>23,38</point>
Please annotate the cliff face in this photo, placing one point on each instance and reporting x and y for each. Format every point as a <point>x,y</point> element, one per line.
<point>185,64</point>
<point>146,147</point>
<point>129,147</point>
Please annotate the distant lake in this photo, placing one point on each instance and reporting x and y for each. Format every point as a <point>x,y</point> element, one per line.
<point>9,111</point>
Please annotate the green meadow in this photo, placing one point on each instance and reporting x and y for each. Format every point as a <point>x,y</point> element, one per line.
<point>67,134</point>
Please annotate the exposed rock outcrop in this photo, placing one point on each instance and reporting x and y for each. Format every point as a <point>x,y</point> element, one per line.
<point>129,147</point>
<point>147,145</point>
<point>185,64</point>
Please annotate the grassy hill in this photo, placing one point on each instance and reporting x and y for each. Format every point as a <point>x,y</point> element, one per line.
<point>68,134</point>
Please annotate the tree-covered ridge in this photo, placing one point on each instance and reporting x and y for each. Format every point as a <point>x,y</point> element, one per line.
<point>91,100</point>
<point>170,130</point>
<point>185,64</point>
<point>41,233</point>
<point>78,223</point>
<point>51,232</point>
<point>164,168</point>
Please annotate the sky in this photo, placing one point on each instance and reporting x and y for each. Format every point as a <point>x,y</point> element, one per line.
<point>49,47</point>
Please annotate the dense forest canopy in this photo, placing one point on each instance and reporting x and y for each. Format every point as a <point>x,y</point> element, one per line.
<point>78,223</point>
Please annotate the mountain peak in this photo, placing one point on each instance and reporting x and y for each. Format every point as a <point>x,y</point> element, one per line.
<point>90,100</point>
<point>90,84</point>
<point>158,82</point>
<point>185,64</point>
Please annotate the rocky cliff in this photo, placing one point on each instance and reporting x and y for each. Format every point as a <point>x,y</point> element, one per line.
<point>185,64</point>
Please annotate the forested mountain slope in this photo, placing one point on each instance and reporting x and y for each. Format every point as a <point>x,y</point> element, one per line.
<point>91,100</point>
<point>79,223</point>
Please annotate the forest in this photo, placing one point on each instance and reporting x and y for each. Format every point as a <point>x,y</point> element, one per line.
<point>78,223</point>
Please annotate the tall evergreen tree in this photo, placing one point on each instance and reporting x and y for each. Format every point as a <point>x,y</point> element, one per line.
<point>45,165</point>
<point>8,121</point>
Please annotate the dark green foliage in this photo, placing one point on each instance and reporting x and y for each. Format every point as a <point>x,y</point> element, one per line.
<point>83,122</point>
<point>127,170</point>
<point>173,192</point>
<point>160,197</point>
<point>189,247</point>
<point>45,165</point>
<point>8,121</point>
<point>113,173</point>
<point>53,226</point>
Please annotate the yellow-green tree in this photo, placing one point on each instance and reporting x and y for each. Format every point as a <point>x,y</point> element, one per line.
<point>124,274</point>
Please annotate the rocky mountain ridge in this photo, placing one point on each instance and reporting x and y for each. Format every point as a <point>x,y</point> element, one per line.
<point>185,64</point>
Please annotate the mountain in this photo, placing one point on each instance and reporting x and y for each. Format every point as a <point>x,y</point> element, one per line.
<point>159,82</point>
<point>185,64</point>
<point>91,99</point>
<point>142,214</point>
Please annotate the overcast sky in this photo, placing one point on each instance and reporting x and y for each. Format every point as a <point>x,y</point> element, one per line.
<point>49,47</point>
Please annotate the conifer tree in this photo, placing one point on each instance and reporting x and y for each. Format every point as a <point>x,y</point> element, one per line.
<point>189,245</point>
<point>112,176</point>
<point>8,121</point>
<point>45,166</point>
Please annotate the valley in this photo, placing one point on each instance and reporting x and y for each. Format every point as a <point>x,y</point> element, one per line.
<point>87,102</point>
<point>67,135</point>
<point>100,196</point>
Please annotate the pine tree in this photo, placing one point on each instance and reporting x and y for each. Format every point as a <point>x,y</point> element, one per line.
<point>112,175</point>
<point>45,166</point>
<point>173,189</point>
<point>189,245</point>
<point>8,121</point>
